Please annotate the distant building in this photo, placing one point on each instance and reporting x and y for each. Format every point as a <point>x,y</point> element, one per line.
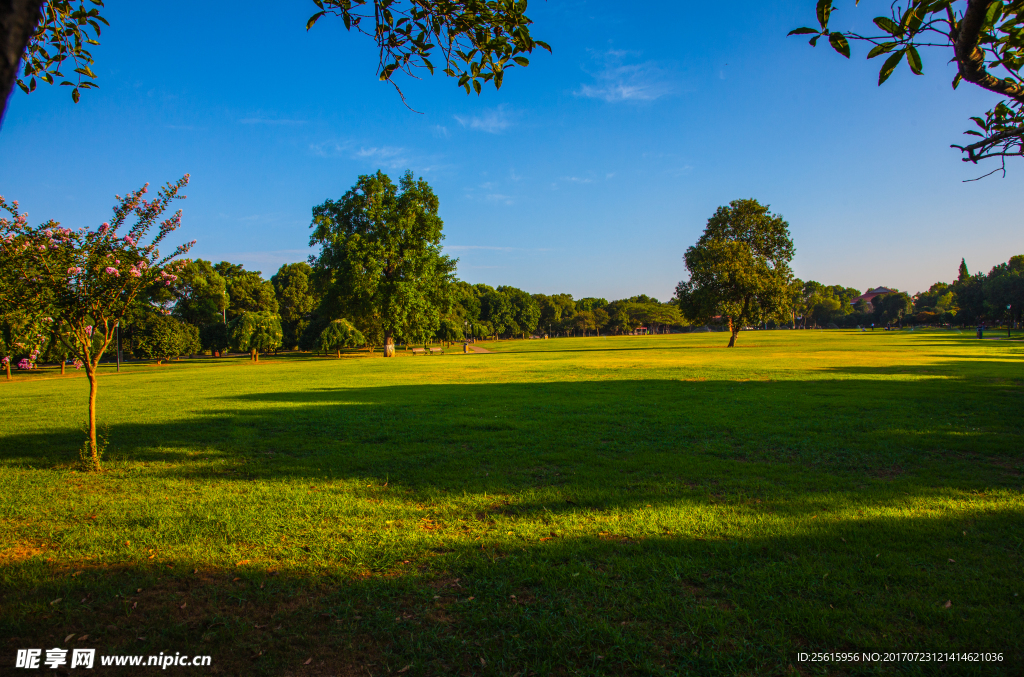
<point>871,294</point>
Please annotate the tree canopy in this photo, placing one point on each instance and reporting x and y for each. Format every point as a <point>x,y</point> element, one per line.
<point>984,38</point>
<point>477,40</point>
<point>339,334</point>
<point>254,332</point>
<point>380,260</point>
<point>739,268</point>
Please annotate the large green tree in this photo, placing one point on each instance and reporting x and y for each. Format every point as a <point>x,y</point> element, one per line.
<point>477,40</point>
<point>201,294</point>
<point>984,38</point>
<point>296,299</point>
<point>248,292</point>
<point>739,268</point>
<point>380,261</point>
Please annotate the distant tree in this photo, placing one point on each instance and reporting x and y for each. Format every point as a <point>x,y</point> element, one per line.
<point>162,337</point>
<point>553,309</point>
<point>250,293</point>
<point>214,337</point>
<point>340,334</point>
<point>525,311</point>
<point>254,332</point>
<point>892,307</point>
<point>296,299</point>
<point>963,274</point>
<point>380,260</point>
<point>201,294</point>
<point>498,311</point>
<point>983,39</point>
<point>90,279</point>
<point>584,322</point>
<point>450,330</point>
<point>739,268</point>
<point>590,303</point>
<point>969,297</point>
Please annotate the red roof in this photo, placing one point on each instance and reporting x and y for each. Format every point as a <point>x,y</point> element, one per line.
<point>871,294</point>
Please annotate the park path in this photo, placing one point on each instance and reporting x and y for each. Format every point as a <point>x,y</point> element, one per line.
<point>478,349</point>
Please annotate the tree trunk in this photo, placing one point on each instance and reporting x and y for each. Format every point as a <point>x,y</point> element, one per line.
<point>62,365</point>
<point>18,21</point>
<point>389,346</point>
<point>733,330</point>
<point>339,353</point>
<point>92,458</point>
<point>253,355</point>
<point>7,368</point>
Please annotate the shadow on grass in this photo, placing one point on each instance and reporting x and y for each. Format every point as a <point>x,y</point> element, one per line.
<point>606,433</point>
<point>601,604</point>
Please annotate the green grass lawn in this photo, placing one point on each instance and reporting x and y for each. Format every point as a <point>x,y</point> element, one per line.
<point>618,506</point>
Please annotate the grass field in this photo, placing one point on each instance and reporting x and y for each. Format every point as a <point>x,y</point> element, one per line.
<point>618,506</point>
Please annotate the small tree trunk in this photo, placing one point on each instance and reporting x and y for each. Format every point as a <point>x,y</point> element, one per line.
<point>252,355</point>
<point>92,457</point>
<point>62,365</point>
<point>339,353</point>
<point>7,368</point>
<point>733,330</point>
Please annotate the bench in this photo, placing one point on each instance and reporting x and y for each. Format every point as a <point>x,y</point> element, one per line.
<point>437,350</point>
<point>416,351</point>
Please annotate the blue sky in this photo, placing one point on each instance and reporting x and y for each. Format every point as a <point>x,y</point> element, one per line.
<point>590,172</point>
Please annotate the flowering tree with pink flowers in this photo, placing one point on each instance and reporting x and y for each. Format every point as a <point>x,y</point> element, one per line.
<point>86,280</point>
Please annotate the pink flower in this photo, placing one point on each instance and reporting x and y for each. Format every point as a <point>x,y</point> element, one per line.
<point>104,228</point>
<point>74,270</point>
<point>6,361</point>
<point>88,330</point>
<point>135,272</point>
<point>77,364</point>
<point>112,271</point>
<point>129,240</point>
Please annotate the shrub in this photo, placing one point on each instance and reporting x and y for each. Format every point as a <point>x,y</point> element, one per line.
<point>253,332</point>
<point>339,334</point>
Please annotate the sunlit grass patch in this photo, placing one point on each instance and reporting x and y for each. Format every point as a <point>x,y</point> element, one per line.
<point>630,505</point>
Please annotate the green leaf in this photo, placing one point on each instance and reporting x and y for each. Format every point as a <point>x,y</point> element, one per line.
<point>813,42</point>
<point>883,48</point>
<point>476,86</point>
<point>802,31</point>
<point>889,66</point>
<point>824,11</point>
<point>888,25</point>
<point>313,19</point>
<point>995,10</point>
<point>914,60</point>
<point>75,95</point>
<point>521,60</point>
<point>840,44</point>
<point>956,81</point>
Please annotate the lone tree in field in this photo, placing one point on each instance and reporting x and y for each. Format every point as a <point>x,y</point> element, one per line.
<point>340,334</point>
<point>739,268</point>
<point>254,332</point>
<point>89,279</point>
<point>380,260</point>
<point>984,38</point>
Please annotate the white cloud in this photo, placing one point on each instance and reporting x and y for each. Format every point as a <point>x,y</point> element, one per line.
<point>441,132</point>
<point>619,81</point>
<point>576,179</point>
<point>271,121</point>
<point>492,121</point>
<point>391,157</point>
